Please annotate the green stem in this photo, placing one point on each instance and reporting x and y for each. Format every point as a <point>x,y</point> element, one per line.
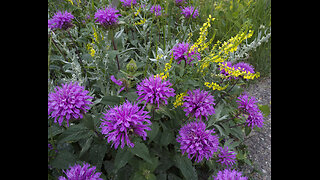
<point>153,110</point>
<point>115,48</point>
<point>226,92</point>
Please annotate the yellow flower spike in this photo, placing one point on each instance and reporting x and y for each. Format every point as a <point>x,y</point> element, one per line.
<point>71,1</point>
<point>179,99</point>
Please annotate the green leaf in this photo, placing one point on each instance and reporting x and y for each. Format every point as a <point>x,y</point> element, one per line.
<point>86,146</point>
<point>185,166</point>
<point>141,150</point>
<point>75,133</point>
<point>112,54</point>
<point>265,109</point>
<point>97,153</point>
<point>167,137</point>
<point>122,158</point>
<point>132,96</point>
<point>220,129</point>
<point>247,130</point>
<point>63,160</point>
<point>54,130</point>
<point>110,100</point>
<point>154,131</point>
<point>88,122</point>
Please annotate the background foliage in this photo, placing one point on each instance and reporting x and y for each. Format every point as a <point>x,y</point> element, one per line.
<point>147,45</point>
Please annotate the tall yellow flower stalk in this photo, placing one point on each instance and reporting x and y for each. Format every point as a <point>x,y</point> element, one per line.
<point>220,51</point>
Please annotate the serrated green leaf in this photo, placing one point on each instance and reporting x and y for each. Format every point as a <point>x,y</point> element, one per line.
<point>96,154</point>
<point>86,146</point>
<point>154,131</point>
<point>185,166</point>
<point>63,160</point>
<point>122,158</point>
<point>75,133</point>
<point>110,100</point>
<point>141,150</point>
<point>54,130</point>
<point>265,109</point>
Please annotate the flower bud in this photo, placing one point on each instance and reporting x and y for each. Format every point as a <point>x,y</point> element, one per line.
<point>132,66</point>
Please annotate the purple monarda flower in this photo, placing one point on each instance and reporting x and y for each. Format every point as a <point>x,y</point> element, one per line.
<point>222,70</point>
<point>154,90</point>
<point>128,3</point>
<point>61,20</point>
<point>198,103</point>
<point>229,174</point>
<point>187,12</point>
<point>244,67</point>
<point>249,107</point>
<point>181,52</point>
<point>84,172</point>
<point>68,101</point>
<point>156,9</point>
<point>107,17</point>
<point>197,142</point>
<point>226,157</point>
<point>123,121</point>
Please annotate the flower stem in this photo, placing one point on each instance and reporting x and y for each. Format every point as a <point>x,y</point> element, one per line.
<point>238,125</point>
<point>152,110</point>
<point>115,48</point>
<point>78,53</point>
<point>226,92</point>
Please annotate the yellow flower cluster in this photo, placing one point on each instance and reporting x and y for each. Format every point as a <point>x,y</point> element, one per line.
<point>238,72</point>
<point>225,49</point>
<point>165,73</point>
<point>142,21</point>
<point>215,86</point>
<point>79,1</point>
<point>70,1</point>
<point>95,35</point>
<point>139,10</point>
<point>179,99</point>
<point>200,44</point>
<point>90,48</point>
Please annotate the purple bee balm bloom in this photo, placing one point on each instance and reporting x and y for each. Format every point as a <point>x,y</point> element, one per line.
<point>107,17</point>
<point>226,157</point>
<point>128,3</point>
<point>197,142</point>
<point>154,90</point>
<point>181,52</point>
<point>246,103</point>
<point>229,174</point>
<point>156,9</point>
<point>77,172</point>
<point>244,67</point>
<point>123,121</point>
<point>61,20</point>
<point>222,70</point>
<point>187,12</point>
<point>255,118</point>
<point>68,101</point>
<point>248,106</point>
<point>198,103</point>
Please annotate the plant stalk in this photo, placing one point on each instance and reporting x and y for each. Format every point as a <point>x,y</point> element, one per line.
<point>226,92</point>
<point>115,48</point>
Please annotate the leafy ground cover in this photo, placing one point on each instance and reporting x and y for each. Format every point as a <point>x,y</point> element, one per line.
<point>154,89</point>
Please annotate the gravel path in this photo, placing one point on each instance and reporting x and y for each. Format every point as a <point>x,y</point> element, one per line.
<point>259,143</point>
